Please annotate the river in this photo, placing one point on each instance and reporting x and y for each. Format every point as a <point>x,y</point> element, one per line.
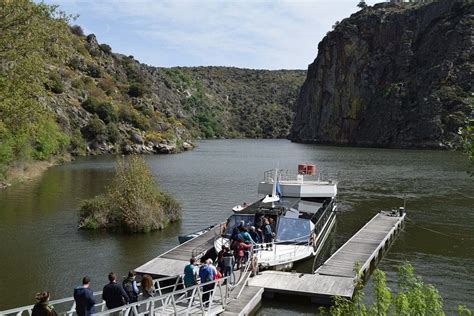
<point>41,247</point>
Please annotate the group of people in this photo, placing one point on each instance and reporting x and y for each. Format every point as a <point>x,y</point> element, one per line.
<point>244,238</point>
<point>195,273</point>
<point>114,294</point>
<point>242,241</point>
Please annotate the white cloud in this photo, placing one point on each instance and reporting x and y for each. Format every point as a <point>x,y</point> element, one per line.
<point>253,34</point>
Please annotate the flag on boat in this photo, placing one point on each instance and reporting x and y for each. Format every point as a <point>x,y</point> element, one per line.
<point>278,188</point>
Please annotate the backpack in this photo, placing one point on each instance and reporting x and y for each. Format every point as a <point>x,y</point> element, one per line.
<point>128,287</point>
<point>204,274</point>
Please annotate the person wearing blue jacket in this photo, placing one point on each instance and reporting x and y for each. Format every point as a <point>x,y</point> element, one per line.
<point>84,298</point>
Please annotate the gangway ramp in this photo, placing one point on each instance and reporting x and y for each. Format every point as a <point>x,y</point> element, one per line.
<point>174,260</point>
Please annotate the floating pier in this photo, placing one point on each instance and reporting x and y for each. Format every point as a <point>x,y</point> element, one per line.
<point>336,276</point>
<point>172,262</point>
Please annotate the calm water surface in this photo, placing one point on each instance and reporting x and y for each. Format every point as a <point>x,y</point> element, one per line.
<point>41,247</point>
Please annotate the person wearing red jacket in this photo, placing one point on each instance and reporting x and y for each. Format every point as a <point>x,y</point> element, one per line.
<point>239,251</point>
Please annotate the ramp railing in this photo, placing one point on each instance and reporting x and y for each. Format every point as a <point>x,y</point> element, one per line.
<point>171,299</point>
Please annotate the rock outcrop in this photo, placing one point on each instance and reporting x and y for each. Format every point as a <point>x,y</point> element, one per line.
<point>391,75</point>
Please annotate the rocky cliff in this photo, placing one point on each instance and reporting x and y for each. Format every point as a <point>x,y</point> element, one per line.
<point>391,75</point>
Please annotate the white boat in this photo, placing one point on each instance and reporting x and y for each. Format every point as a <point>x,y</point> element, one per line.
<point>303,208</point>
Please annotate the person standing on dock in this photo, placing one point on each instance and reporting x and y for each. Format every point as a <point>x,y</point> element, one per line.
<point>206,274</point>
<point>130,286</point>
<point>113,294</point>
<point>239,251</point>
<point>43,308</point>
<point>84,298</point>
<point>228,259</point>
<point>148,289</point>
<point>190,273</point>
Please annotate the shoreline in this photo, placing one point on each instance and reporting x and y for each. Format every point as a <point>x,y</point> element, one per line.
<point>25,171</point>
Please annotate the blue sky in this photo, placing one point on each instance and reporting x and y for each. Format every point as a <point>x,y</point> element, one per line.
<point>248,34</point>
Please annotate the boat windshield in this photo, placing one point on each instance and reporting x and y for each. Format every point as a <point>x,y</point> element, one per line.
<point>234,221</point>
<point>293,229</point>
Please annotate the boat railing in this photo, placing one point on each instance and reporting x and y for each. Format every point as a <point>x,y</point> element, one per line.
<point>201,249</point>
<point>294,176</point>
<point>280,253</point>
<point>173,299</point>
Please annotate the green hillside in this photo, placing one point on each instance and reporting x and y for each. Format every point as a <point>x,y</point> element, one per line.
<point>61,92</point>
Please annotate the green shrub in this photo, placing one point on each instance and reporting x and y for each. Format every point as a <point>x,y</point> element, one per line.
<point>94,71</point>
<point>94,128</point>
<point>133,117</point>
<point>76,63</point>
<point>55,83</point>
<point>108,85</point>
<point>113,133</point>
<point>414,297</point>
<point>137,90</point>
<point>104,110</point>
<point>208,124</point>
<point>48,140</point>
<point>94,213</point>
<point>7,144</point>
<point>133,203</point>
<point>78,83</point>
<point>105,48</point>
<point>77,144</point>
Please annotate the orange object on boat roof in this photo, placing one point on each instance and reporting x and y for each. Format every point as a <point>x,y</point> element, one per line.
<point>311,169</point>
<point>302,168</point>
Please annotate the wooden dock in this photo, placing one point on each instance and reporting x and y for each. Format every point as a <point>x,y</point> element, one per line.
<point>365,247</point>
<point>336,276</point>
<point>173,261</point>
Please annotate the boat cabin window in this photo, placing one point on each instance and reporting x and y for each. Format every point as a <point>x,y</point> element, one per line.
<point>234,221</point>
<point>293,229</point>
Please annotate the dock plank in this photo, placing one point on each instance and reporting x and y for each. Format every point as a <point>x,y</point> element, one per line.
<point>174,260</point>
<point>303,284</point>
<point>362,247</point>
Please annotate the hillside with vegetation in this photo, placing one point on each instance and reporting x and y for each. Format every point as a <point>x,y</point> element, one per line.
<point>63,93</point>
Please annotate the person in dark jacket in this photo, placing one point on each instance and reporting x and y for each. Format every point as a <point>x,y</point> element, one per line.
<point>113,294</point>
<point>43,308</point>
<point>253,233</point>
<point>130,286</point>
<point>84,298</point>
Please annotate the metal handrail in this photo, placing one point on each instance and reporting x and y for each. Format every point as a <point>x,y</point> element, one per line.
<point>173,299</point>
<point>291,175</point>
<point>100,306</point>
<point>246,268</point>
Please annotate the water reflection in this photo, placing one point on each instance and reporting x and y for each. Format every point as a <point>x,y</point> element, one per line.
<point>41,247</point>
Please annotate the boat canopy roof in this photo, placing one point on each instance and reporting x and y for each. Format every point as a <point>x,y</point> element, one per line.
<point>288,207</point>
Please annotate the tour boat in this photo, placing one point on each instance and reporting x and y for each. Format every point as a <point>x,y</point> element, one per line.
<point>302,206</point>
